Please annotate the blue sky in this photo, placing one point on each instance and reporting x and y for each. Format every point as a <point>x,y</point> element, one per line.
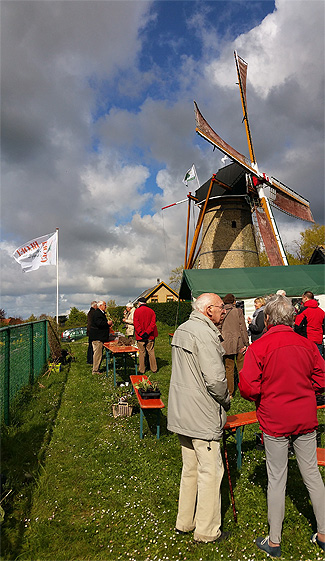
<point>98,130</point>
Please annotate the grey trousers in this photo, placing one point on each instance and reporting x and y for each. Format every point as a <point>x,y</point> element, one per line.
<point>199,505</point>
<point>276,450</point>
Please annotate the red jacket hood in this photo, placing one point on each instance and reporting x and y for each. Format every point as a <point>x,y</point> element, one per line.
<point>311,304</point>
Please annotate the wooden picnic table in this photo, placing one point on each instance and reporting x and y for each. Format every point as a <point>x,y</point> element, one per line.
<point>153,404</point>
<point>115,350</point>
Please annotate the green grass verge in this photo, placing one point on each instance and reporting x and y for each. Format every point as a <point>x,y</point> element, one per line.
<point>86,488</point>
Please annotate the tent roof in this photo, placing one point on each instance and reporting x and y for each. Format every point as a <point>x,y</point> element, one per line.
<point>251,282</point>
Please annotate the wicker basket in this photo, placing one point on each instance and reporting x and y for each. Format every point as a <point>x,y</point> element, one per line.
<point>122,410</point>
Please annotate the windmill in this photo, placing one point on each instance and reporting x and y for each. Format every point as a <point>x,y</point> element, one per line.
<point>235,195</point>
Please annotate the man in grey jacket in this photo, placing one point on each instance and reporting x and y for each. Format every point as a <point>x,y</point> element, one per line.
<point>197,404</point>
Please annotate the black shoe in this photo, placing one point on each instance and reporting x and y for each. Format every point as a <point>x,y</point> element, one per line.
<point>223,537</point>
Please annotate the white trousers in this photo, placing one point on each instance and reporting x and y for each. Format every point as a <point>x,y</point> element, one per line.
<point>199,506</point>
<point>276,450</point>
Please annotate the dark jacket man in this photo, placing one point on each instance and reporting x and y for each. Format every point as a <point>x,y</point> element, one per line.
<point>99,333</point>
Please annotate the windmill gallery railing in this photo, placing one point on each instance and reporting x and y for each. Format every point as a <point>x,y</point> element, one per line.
<point>24,352</point>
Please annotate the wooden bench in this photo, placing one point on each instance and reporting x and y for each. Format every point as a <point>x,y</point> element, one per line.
<point>235,426</point>
<point>321,456</point>
<point>153,404</point>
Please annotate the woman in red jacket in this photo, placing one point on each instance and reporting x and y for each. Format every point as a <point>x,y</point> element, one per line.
<point>281,373</point>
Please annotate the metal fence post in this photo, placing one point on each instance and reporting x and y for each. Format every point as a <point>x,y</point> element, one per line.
<point>31,354</point>
<point>6,389</point>
<point>45,339</point>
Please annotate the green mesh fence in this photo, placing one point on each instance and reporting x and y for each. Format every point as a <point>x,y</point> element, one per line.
<point>24,352</point>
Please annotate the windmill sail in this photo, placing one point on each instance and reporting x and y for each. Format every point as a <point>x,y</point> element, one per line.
<point>290,202</point>
<point>267,234</point>
<point>285,198</point>
<point>241,66</point>
<point>203,129</point>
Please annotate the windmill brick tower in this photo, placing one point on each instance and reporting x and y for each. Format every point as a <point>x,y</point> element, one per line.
<point>228,238</point>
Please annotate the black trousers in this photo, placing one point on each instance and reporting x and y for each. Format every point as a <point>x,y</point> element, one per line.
<point>90,353</point>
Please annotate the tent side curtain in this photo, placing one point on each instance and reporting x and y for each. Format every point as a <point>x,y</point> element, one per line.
<point>250,282</point>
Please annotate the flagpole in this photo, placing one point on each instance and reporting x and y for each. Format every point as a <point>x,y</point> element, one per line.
<point>57,276</point>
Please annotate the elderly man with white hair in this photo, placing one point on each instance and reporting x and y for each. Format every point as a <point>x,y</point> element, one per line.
<point>197,404</point>
<point>281,373</point>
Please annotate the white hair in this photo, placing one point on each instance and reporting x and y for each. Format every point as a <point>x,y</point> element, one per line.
<point>203,301</point>
<point>281,292</point>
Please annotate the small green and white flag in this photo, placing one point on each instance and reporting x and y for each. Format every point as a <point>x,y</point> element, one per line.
<point>190,175</point>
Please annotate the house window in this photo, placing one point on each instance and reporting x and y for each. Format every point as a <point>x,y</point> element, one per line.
<point>169,299</point>
<point>154,299</point>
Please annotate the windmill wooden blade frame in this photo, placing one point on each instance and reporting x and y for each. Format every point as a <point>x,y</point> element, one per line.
<point>206,131</point>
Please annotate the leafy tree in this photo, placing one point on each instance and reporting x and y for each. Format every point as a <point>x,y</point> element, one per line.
<point>304,247</point>
<point>31,318</point>
<point>76,318</point>
<point>176,277</point>
<point>111,304</point>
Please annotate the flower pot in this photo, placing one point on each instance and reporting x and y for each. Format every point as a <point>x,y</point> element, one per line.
<point>150,394</point>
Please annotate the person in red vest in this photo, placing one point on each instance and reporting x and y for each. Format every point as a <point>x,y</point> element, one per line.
<point>309,322</point>
<point>145,328</point>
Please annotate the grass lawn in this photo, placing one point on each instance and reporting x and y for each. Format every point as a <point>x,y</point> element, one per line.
<point>84,487</point>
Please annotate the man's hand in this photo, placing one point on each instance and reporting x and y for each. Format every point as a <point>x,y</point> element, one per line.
<point>145,336</point>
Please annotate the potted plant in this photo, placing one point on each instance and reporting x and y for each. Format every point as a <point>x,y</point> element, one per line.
<point>148,389</point>
<point>125,404</point>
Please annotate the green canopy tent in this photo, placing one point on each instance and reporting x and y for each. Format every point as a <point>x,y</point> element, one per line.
<point>250,282</point>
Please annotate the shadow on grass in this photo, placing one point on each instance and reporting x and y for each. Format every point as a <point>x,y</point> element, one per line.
<point>23,448</point>
<point>151,419</point>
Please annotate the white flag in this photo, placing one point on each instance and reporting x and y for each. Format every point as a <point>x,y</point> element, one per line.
<point>37,252</point>
<point>189,175</point>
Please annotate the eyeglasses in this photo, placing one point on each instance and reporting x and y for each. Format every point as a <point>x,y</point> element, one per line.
<point>214,306</point>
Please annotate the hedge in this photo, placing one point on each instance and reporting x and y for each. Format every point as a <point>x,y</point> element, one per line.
<point>170,313</point>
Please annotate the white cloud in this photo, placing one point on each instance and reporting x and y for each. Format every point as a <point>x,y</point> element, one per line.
<point>95,145</point>
<point>114,189</point>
